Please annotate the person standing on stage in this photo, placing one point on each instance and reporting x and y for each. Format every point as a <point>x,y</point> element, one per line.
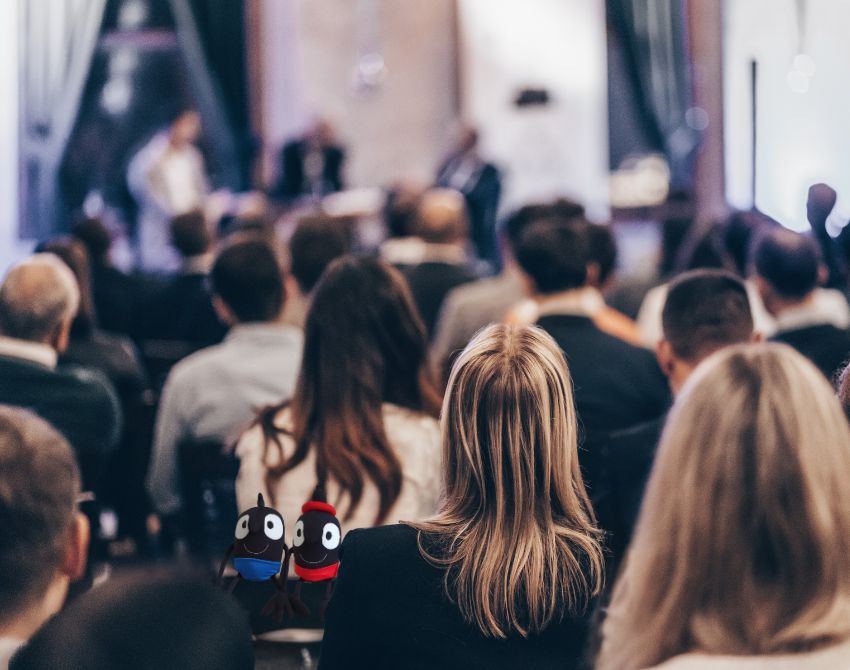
<point>167,178</point>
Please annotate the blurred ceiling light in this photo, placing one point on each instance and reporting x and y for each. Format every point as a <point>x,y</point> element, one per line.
<point>132,14</point>
<point>805,64</point>
<point>116,95</point>
<point>797,81</point>
<point>123,61</point>
<point>696,118</point>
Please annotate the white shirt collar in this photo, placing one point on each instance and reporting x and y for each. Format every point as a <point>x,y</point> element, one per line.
<point>585,301</point>
<point>821,308</point>
<point>34,352</point>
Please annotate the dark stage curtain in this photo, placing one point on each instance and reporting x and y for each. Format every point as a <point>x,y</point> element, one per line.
<point>653,35</point>
<point>220,26</point>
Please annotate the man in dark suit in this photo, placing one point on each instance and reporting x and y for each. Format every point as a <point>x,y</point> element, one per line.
<point>311,165</point>
<point>441,223</point>
<point>38,300</point>
<point>617,385</point>
<point>464,170</point>
<point>788,267</point>
<point>705,310</point>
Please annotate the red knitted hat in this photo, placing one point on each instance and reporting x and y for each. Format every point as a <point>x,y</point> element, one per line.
<point>316,505</point>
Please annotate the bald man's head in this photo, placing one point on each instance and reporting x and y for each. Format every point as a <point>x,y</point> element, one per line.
<point>441,217</point>
<point>38,299</point>
<point>788,262</point>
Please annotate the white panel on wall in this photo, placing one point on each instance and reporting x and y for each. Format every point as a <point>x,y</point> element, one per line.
<point>11,249</point>
<point>310,50</point>
<point>559,45</point>
<point>802,128</point>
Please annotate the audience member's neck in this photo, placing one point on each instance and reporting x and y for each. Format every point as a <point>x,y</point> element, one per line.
<point>199,264</point>
<point>778,305</point>
<point>27,623</point>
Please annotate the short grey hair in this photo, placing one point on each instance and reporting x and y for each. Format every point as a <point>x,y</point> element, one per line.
<point>36,297</point>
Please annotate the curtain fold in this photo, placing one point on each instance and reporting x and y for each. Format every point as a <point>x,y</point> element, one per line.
<point>58,40</point>
<point>654,34</point>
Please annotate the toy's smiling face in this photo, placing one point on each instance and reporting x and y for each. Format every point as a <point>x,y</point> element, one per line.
<point>316,539</point>
<point>259,534</point>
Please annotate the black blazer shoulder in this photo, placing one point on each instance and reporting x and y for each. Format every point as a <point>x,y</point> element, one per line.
<point>390,610</point>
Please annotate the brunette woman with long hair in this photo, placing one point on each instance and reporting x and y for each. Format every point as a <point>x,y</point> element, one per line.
<point>362,420</point>
<point>504,574</point>
<point>741,557</point>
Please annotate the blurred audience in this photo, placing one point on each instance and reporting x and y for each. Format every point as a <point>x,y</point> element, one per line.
<point>787,267</point>
<point>465,171</point>
<point>705,310</point>
<point>741,557</point>
<point>361,422</point>
<point>212,394</point>
<point>441,223</point>
<point>316,241</point>
<point>617,385</point>
<point>45,538</point>
<point>402,247</point>
<point>39,298</point>
<point>179,307</point>
<point>115,293</point>
<point>89,346</point>
<point>505,574</point>
<point>713,246</point>
<point>472,306</point>
<point>142,624</point>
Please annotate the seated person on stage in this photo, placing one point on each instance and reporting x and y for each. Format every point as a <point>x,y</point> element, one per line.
<point>45,538</point>
<point>504,575</point>
<point>315,243</point>
<point>38,301</point>
<point>617,384</point>
<point>312,165</point>
<point>705,310</point>
<point>787,266</point>
<point>214,393</point>
<point>441,222</point>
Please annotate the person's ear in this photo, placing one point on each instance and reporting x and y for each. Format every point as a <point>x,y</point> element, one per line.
<point>223,312</point>
<point>61,336</point>
<point>823,274</point>
<point>666,359</point>
<point>593,274</point>
<point>77,549</point>
<point>290,285</point>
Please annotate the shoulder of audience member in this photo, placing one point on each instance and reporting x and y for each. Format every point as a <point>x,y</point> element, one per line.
<point>381,550</point>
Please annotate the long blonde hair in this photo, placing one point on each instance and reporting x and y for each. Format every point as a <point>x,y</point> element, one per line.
<point>743,542</point>
<point>515,531</point>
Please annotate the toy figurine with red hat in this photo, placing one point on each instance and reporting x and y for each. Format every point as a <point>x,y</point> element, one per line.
<point>315,546</point>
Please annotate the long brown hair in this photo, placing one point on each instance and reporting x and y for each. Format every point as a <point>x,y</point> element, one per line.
<point>365,345</point>
<point>515,530</point>
<point>743,542</point>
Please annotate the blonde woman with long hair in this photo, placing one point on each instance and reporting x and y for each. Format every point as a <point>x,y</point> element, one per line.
<point>504,575</point>
<point>741,557</point>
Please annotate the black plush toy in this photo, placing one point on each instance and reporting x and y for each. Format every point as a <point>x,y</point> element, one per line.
<point>259,553</point>
<point>315,547</point>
